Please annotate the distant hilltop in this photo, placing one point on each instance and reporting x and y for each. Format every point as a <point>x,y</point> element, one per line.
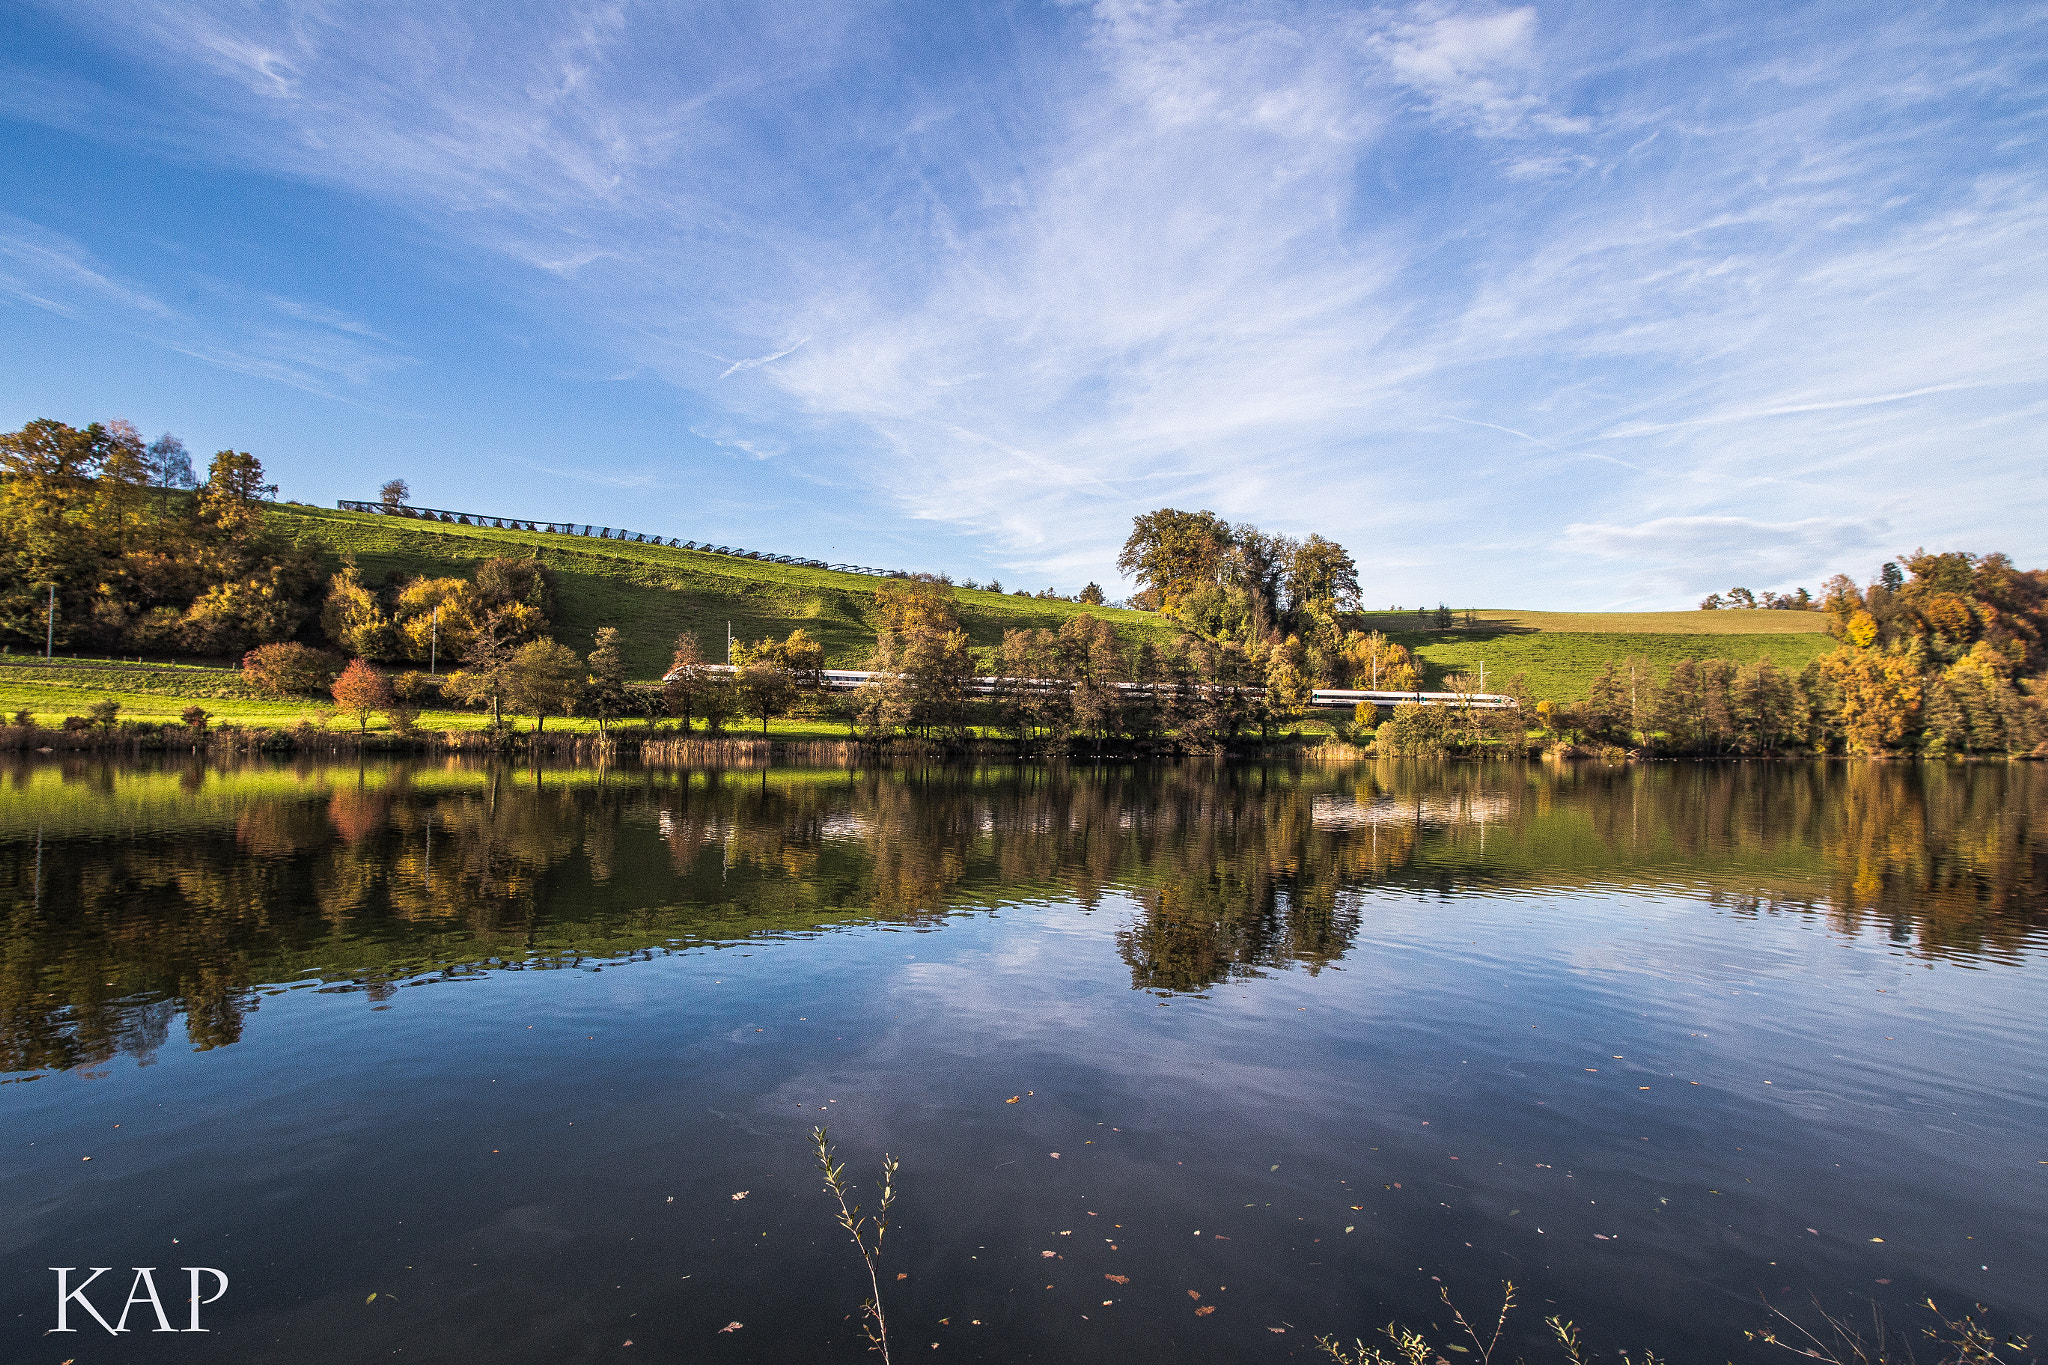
<point>569,528</point>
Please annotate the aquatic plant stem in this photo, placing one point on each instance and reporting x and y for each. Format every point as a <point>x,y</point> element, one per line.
<point>874,1324</point>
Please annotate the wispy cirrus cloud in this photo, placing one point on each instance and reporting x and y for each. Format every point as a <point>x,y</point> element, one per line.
<point>1673,552</point>
<point>1450,281</point>
<point>305,346</point>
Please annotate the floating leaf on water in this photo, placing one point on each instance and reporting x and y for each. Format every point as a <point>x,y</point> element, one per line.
<point>730,1327</point>
<point>1205,1310</point>
<point>371,1299</point>
<point>1194,1293</point>
<point>1118,1279</point>
<point>902,1274</point>
<point>741,1195</point>
<point>1013,1099</point>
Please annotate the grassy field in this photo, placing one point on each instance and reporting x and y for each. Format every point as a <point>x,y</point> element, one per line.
<point>1562,666</point>
<point>652,593</point>
<point>1561,652</point>
<point>1757,622</point>
<point>69,692</point>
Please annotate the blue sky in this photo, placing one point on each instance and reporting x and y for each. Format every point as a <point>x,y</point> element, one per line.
<point>1555,305</point>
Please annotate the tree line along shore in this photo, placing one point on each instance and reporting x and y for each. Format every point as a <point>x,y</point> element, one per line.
<point>324,624</point>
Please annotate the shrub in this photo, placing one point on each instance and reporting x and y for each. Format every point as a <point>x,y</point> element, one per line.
<point>416,687</point>
<point>195,717</point>
<point>103,712</point>
<point>285,669</point>
<point>75,724</point>
<point>25,719</point>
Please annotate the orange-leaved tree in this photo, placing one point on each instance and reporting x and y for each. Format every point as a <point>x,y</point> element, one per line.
<point>361,689</point>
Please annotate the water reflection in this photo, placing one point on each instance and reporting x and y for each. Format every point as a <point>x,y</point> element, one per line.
<point>135,894</point>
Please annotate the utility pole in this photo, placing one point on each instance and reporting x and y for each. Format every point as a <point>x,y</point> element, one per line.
<point>434,643</point>
<point>728,644</point>
<point>50,626</point>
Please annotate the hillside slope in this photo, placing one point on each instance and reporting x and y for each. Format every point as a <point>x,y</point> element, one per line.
<point>653,593</point>
<point>1561,653</point>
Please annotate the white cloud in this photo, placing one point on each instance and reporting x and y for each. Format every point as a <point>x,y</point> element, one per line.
<point>1690,553</point>
<point>1435,279</point>
<point>1478,68</point>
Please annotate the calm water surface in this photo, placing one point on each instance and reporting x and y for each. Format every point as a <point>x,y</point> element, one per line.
<point>506,1048</point>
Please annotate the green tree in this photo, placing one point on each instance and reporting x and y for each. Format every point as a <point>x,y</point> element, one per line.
<point>486,674</point>
<point>1765,708</point>
<point>1174,553</point>
<point>604,689</point>
<point>543,677</point>
<point>684,681</point>
<point>766,689</point>
<point>1092,595</point>
<point>1321,571</point>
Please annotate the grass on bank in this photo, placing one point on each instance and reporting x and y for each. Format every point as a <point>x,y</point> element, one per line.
<point>52,702</point>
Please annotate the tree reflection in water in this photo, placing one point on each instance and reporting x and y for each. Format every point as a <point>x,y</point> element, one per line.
<point>136,894</point>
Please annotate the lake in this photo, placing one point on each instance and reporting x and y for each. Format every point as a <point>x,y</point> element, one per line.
<point>1182,1062</point>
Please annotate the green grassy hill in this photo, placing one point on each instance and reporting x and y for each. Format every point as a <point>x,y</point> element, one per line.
<point>1562,652</point>
<point>653,593</point>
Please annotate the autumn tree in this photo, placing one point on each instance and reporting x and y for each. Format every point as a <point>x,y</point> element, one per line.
<point>289,669</point>
<point>436,618</point>
<point>361,690</point>
<point>352,616</point>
